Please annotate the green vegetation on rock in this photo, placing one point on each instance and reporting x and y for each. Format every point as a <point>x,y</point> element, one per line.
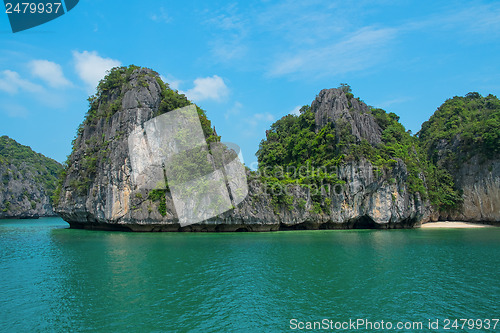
<point>106,102</point>
<point>111,89</point>
<point>296,143</point>
<point>43,169</point>
<point>158,195</point>
<point>294,154</point>
<point>27,177</point>
<point>95,141</point>
<point>302,157</point>
<point>463,126</point>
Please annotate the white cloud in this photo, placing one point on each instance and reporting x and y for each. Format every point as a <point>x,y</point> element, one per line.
<point>49,72</point>
<point>208,88</point>
<point>296,110</point>
<point>11,82</point>
<point>91,68</point>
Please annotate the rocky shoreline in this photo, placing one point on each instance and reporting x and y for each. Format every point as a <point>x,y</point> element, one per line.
<point>221,227</point>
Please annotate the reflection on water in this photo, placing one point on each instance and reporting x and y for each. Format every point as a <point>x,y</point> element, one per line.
<point>57,279</point>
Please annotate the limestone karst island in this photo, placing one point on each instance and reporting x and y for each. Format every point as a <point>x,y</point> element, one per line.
<point>339,164</point>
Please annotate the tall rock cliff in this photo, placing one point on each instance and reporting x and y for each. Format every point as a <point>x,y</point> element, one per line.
<point>97,190</point>
<point>479,183</point>
<point>28,181</point>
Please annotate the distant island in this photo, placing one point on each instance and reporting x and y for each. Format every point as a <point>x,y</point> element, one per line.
<point>339,164</point>
<point>28,181</point>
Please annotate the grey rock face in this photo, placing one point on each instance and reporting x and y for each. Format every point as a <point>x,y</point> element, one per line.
<point>364,201</point>
<point>108,198</point>
<point>478,179</point>
<point>332,105</point>
<point>21,195</point>
<point>480,183</point>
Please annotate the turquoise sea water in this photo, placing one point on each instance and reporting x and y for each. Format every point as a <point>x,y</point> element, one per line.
<point>61,280</point>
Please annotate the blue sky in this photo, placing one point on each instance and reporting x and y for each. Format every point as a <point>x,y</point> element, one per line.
<point>248,63</point>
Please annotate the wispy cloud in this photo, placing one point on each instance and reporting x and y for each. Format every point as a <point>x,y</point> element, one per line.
<point>296,110</point>
<point>50,72</point>
<point>483,19</point>
<point>308,23</point>
<point>15,110</point>
<point>173,82</point>
<point>360,50</point>
<point>328,37</point>
<point>389,103</point>
<point>302,38</point>
<point>208,88</point>
<point>234,111</point>
<point>161,16</point>
<point>228,43</point>
<point>224,50</point>
<point>228,18</point>
<point>476,20</point>
<point>256,123</point>
<point>260,118</point>
<point>11,82</point>
<point>91,67</point>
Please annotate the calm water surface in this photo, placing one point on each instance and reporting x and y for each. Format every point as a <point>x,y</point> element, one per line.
<point>61,280</point>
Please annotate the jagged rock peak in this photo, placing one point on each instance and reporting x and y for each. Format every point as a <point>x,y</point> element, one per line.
<point>132,87</point>
<point>337,105</point>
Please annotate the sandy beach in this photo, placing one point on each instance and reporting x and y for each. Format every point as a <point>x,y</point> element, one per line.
<point>452,224</point>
